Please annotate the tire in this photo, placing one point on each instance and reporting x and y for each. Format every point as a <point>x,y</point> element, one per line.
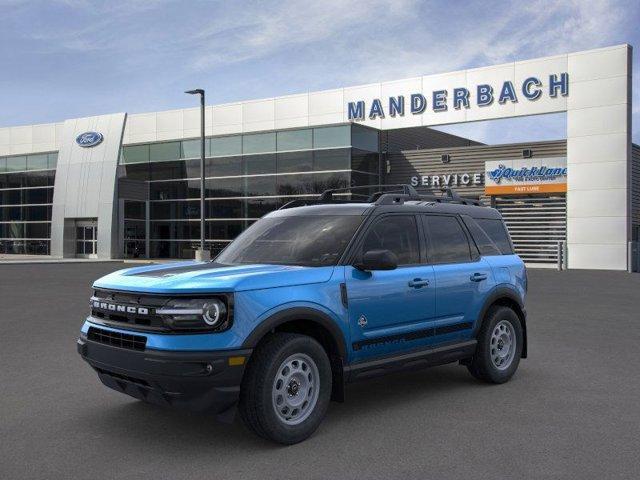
<point>492,363</point>
<point>286,370</point>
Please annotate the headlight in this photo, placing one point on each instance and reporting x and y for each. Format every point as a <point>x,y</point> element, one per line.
<point>193,314</point>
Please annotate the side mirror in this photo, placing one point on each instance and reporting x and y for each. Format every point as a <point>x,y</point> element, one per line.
<point>378,260</point>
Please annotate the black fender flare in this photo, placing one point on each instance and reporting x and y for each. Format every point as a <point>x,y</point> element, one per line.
<point>298,313</point>
<point>319,318</point>
<point>506,293</point>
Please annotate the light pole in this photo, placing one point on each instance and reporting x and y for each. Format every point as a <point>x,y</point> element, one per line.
<point>202,255</point>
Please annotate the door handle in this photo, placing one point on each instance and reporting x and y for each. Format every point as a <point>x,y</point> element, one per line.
<point>418,283</point>
<point>478,277</point>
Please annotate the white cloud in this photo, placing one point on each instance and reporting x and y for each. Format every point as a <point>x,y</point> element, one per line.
<point>278,47</point>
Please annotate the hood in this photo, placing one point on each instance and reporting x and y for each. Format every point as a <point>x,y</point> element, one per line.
<point>209,277</point>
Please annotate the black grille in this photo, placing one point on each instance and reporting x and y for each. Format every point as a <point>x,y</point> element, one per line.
<point>117,339</point>
<point>102,299</point>
<point>137,311</point>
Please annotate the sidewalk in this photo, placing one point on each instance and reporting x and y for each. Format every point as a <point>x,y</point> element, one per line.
<point>12,259</point>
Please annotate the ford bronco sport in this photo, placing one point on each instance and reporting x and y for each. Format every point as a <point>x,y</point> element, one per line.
<point>315,295</point>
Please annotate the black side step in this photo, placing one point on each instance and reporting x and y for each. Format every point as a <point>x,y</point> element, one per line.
<point>424,358</point>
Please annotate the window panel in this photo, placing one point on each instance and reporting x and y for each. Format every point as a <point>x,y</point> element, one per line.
<point>133,209</point>
<point>364,138</point>
<point>37,230</point>
<point>37,213</point>
<point>225,187</point>
<point>172,249</point>
<point>37,162</point>
<point>3,164</point>
<point>38,179</point>
<point>339,159</point>
<point>259,143</point>
<point>295,139</point>
<point>134,229</point>
<point>13,230</point>
<point>223,166</point>
<point>135,154</point>
<point>364,161</point>
<point>10,180</point>
<point>168,171</point>
<point>191,148</point>
<point>52,160</point>
<point>37,195</point>
<point>11,197</point>
<point>16,164</point>
<point>175,230</point>
<point>8,214</point>
<point>295,162</point>
<point>260,186</point>
<point>259,164</point>
<point>134,249</point>
<point>12,246</point>
<point>163,152</point>
<point>136,171</point>
<point>174,210</point>
<point>37,247</point>
<point>225,208</point>
<point>178,189</point>
<point>327,137</point>
<point>311,183</point>
<point>225,146</point>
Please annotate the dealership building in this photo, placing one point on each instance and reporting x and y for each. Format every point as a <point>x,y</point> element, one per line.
<point>128,185</point>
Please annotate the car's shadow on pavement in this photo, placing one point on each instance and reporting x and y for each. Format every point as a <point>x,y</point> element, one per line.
<point>154,427</point>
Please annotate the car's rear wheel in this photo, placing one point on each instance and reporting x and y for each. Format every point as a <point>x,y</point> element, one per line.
<point>287,388</point>
<point>499,346</point>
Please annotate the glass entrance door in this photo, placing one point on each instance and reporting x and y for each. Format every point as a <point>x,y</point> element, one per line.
<point>87,239</point>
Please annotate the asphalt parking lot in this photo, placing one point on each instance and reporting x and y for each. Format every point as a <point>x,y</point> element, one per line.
<point>571,411</point>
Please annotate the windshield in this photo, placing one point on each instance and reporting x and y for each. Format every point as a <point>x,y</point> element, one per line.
<point>314,241</point>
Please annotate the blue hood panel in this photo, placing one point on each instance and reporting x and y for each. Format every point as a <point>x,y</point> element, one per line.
<point>198,277</point>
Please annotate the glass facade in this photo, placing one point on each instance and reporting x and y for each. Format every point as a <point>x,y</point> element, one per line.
<point>247,176</point>
<point>26,196</point>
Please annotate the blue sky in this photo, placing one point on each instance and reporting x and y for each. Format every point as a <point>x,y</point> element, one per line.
<point>73,58</point>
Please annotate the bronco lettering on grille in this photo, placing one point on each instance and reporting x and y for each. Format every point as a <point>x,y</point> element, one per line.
<point>120,308</point>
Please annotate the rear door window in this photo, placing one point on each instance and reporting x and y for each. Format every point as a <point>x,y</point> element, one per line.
<point>446,240</point>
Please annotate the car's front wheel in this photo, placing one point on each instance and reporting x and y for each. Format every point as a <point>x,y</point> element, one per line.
<point>499,346</point>
<point>286,390</point>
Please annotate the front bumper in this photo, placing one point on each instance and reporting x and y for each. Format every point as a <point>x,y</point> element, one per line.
<point>196,381</point>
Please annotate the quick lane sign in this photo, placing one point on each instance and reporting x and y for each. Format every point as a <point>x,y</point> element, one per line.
<point>544,175</point>
<point>481,95</point>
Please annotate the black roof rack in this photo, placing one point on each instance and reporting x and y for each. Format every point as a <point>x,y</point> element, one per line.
<point>399,194</point>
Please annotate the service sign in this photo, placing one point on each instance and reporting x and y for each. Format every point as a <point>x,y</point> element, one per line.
<point>523,176</point>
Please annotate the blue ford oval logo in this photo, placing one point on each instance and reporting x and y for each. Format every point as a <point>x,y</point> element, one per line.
<point>89,139</point>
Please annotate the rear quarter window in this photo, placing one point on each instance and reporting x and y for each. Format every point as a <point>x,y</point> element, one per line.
<point>497,232</point>
<point>490,235</point>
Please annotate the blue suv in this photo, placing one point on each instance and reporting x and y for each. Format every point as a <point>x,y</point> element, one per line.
<point>312,296</point>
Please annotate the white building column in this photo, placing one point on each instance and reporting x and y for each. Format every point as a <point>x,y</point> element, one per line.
<point>599,158</point>
<point>85,184</point>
